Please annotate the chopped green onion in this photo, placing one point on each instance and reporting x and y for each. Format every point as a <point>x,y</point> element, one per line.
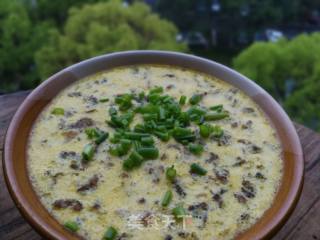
<point>147,141</point>
<point>154,98</point>
<point>71,226</point>
<point>102,100</point>
<point>139,128</point>
<point>205,130</point>
<point>150,116</point>
<point>148,108</point>
<point>122,121</point>
<point>141,95</point>
<point>122,149</point>
<point>212,116</point>
<point>92,133</point>
<point>197,169</point>
<point>196,149</point>
<point>166,198</point>
<point>124,101</point>
<point>162,113</point>
<point>156,90</point>
<point>162,117</point>
<point>217,108</point>
<point>57,111</point>
<point>148,152</point>
<point>137,145</point>
<point>110,234</point>
<point>183,135</point>
<point>102,137</point>
<point>116,137</point>
<point>164,136</point>
<point>179,211</point>
<point>134,160</point>
<point>171,173</point>
<point>182,100</point>
<point>195,99</point>
<point>167,99</point>
<point>136,135</point>
<point>196,110</point>
<point>88,152</point>
<point>217,131</point>
<point>113,111</point>
<point>126,144</point>
<point>184,118</point>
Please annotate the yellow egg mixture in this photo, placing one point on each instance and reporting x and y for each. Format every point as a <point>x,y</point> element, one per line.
<point>244,166</point>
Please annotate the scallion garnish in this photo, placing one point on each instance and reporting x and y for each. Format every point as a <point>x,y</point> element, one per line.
<point>195,99</point>
<point>179,212</point>
<point>164,136</point>
<point>88,152</point>
<point>156,90</point>
<point>166,198</point>
<point>136,135</point>
<point>134,160</point>
<point>124,101</point>
<point>182,100</point>
<point>147,141</point>
<point>102,100</point>
<point>148,152</point>
<point>196,149</point>
<point>183,135</point>
<point>110,234</point>
<point>197,169</point>
<point>92,133</point>
<point>217,108</point>
<point>162,117</point>
<point>101,137</point>
<point>217,131</point>
<point>213,116</point>
<point>205,130</point>
<point>71,226</point>
<point>57,111</point>
<point>171,173</point>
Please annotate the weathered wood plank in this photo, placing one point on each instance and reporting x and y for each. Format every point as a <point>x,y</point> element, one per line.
<point>303,224</point>
<point>309,202</point>
<point>8,106</point>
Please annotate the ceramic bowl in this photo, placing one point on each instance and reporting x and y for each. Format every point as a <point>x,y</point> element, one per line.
<point>15,159</point>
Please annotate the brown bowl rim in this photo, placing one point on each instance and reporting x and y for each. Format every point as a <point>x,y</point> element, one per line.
<point>278,117</point>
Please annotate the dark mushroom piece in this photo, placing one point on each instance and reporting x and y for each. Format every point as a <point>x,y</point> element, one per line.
<point>68,203</point>
<point>179,189</point>
<point>82,123</point>
<point>92,184</point>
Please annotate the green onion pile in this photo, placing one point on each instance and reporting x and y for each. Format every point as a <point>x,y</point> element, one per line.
<point>163,118</point>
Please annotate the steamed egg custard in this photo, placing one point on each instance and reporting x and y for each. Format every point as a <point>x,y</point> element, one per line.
<point>154,152</point>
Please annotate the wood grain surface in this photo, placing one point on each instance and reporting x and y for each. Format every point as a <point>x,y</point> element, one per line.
<point>304,223</point>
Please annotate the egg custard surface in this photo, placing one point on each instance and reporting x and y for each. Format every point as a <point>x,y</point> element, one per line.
<point>211,181</point>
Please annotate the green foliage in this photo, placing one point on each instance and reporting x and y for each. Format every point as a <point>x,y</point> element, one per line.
<point>304,104</point>
<point>19,39</point>
<point>103,28</point>
<point>290,71</point>
<point>181,12</point>
<point>54,10</point>
<point>260,14</point>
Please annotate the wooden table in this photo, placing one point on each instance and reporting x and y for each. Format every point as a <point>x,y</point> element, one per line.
<point>303,224</point>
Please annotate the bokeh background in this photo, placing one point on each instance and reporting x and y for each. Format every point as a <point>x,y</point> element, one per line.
<point>274,42</point>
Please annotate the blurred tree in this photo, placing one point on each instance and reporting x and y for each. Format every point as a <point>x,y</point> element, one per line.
<point>18,41</point>
<point>304,104</point>
<point>290,71</point>
<point>183,12</point>
<point>231,19</point>
<point>103,28</point>
<point>54,10</point>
